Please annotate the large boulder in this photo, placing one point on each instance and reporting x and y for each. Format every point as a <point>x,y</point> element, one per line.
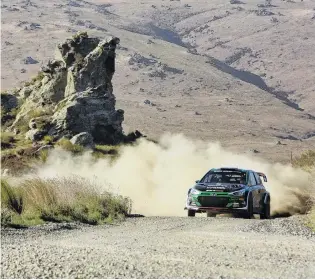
<point>8,101</point>
<point>35,134</point>
<point>84,139</point>
<point>74,92</point>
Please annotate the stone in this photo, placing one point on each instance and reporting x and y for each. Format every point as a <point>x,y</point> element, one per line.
<point>35,134</point>
<point>5,172</point>
<point>25,92</point>
<point>32,124</point>
<point>42,123</point>
<point>76,89</point>
<point>30,60</point>
<point>84,139</point>
<point>44,148</point>
<point>133,136</point>
<point>8,101</point>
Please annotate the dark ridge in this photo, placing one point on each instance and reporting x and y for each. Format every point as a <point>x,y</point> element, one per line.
<point>253,79</point>
<point>309,135</point>
<point>167,35</point>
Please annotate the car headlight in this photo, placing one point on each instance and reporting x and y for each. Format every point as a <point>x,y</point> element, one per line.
<point>239,193</point>
<point>194,191</point>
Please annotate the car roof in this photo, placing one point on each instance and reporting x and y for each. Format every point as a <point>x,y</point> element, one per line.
<point>230,169</point>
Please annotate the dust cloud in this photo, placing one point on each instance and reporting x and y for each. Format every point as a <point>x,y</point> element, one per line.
<point>157,176</point>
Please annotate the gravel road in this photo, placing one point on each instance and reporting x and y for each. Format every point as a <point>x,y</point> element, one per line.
<point>162,247</point>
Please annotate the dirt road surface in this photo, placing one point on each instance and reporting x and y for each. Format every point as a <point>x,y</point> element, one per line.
<point>162,247</point>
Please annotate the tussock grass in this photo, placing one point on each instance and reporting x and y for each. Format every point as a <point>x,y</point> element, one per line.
<point>7,139</point>
<point>40,75</point>
<point>108,149</point>
<point>11,197</point>
<point>68,146</point>
<point>37,113</point>
<point>37,200</point>
<point>48,139</point>
<point>311,220</point>
<point>306,161</point>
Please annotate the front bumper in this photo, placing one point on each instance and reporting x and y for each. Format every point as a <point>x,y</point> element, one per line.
<point>216,209</point>
<point>216,202</point>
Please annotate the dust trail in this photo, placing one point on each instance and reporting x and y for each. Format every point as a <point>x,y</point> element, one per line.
<point>157,176</point>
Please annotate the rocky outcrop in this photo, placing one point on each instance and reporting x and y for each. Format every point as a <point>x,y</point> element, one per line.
<point>9,104</point>
<point>83,139</point>
<point>74,94</point>
<point>8,101</point>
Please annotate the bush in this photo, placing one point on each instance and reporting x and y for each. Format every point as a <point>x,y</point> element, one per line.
<point>48,139</point>
<point>40,75</point>
<point>38,200</point>
<point>68,146</point>
<point>7,139</point>
<point>306,161</point>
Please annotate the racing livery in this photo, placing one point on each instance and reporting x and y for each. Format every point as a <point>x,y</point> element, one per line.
<point>230,190</point>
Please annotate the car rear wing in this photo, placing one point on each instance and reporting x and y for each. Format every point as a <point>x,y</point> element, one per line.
<point>262,175</point>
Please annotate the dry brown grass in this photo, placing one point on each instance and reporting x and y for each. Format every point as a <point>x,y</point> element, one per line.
<point>39,200</point>
<point>306,161</point>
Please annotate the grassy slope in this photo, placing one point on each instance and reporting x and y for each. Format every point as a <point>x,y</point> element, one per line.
<point>36,201</point>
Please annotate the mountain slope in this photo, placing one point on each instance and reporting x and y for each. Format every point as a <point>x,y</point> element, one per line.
<point>211,70</point>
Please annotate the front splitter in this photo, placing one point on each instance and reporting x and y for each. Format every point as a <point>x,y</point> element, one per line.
<point>216,209</point>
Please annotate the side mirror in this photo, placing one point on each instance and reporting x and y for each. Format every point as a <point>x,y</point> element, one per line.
<point>197,181</point>
<point>265,178</point>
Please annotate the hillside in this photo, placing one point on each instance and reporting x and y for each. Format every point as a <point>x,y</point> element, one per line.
<point>211,70</point>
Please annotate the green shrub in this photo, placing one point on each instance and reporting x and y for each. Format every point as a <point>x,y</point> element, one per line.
<point>60,199</point>
<point>48,139</point>
<point>40,75</point>
<point>27,84</point>
<point>7,138</point>
<point>79,34</point>
<point>68,146</point>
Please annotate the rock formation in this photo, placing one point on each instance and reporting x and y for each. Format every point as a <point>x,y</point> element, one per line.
<point>73,94</point>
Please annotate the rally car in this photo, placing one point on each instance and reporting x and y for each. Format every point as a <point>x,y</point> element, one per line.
<point>229,190</point>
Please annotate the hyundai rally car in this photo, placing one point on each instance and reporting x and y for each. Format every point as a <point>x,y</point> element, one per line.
<point>229,190</point>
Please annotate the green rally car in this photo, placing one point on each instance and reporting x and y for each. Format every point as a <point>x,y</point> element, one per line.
<point>229,190</point>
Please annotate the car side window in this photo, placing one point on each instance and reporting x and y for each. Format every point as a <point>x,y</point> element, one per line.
<point>251,179</point>
<point>258,180</point>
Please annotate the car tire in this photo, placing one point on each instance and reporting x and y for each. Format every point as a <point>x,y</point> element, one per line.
<point>213,215</point>
<point>266,210</point>
<point>250,210</point>
<point>191,213</point>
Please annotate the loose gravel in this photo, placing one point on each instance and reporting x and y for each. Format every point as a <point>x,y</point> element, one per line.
<point>162,247</point>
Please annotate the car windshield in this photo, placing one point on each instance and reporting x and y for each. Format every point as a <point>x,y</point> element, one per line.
<point>227,177</point>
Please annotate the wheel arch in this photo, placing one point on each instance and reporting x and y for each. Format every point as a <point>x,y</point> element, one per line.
<point>267,198</point>
<point>248,192</point>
